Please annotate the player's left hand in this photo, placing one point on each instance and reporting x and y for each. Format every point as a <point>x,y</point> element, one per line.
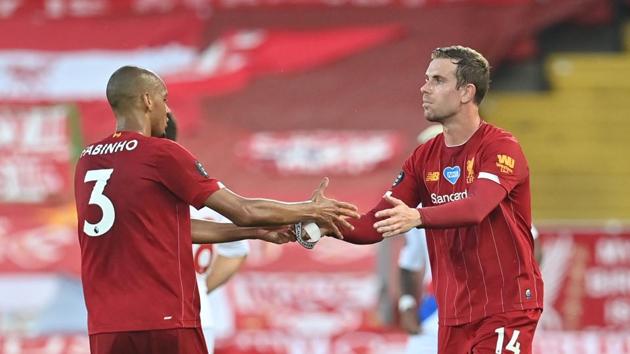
<point>277,235</point>
<point>398,219</point>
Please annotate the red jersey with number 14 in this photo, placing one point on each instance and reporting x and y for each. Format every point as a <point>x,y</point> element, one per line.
<point>481,269</point>
<point>132,197</point>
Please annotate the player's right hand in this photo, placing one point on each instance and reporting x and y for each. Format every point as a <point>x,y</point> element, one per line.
<point>331,213</point>
<point>277,235</point>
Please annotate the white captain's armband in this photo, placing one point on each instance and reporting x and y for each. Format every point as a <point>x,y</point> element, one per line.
<point>489,176</point>
<point>311,230</point>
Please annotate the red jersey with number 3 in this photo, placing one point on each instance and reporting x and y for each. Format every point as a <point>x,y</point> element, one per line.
<point>487,268</point>
<point>132,196</point>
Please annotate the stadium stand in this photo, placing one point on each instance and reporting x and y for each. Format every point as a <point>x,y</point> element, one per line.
<point>574,135</point>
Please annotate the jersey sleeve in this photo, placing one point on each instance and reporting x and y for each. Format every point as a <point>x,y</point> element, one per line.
<point>503,162</point>
<point>483,196</point>
<point>183,175</point>
<point>405,188</point>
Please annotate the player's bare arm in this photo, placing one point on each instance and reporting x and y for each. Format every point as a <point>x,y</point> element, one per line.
<point>204,231</point>
<point>221,270</point>
<point>410,291</point>
<point>266,212</point>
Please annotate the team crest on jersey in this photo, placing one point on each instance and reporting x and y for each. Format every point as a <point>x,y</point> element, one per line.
<point>452,173</point>
<point>528,294</point>
<point>432,176</point>
<point>505,164</point>
<point>202,171</point>
<point>398,179</point>
<point>470,171</point>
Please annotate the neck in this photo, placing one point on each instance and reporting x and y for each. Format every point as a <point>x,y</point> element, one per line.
<point>132,123</point>
<point>460,127</point>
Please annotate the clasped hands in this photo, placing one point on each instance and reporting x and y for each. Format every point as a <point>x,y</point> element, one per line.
<point>395,221</point>
<point>331,214</point>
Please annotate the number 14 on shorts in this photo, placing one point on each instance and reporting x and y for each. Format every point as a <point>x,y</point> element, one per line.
<point>512,346</point>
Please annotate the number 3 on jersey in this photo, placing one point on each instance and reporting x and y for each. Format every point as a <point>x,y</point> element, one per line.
<point>98,198</point>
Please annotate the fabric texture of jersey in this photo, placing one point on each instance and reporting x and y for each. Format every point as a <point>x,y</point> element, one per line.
<point>132,196</point>
<point>163,341</point>
<point>481,269</point>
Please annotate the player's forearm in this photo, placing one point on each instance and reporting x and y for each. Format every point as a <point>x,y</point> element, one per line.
<point>204,231</point>
<point>484,198</point>
<point>410,293</point>
<point>258,211</point>
<point>222,269</point>
<point>265,212</point>
<point>409,282</point>
<point>364,231</point>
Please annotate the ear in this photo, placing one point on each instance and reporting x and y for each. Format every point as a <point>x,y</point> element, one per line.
<point>148,103</point>
<point>468,93</point>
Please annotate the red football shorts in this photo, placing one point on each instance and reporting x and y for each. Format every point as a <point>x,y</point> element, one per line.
<point>159,341</point>
<point>501,333</point>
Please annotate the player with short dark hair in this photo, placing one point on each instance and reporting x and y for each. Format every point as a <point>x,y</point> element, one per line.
<point>473,183</point>
<point>132,191</point>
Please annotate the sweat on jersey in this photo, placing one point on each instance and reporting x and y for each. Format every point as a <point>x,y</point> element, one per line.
<point>481,254</point>
<point>132,196</point>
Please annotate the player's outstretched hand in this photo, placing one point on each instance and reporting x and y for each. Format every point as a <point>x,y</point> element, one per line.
<point>398,219</point>
<point>331,213</point>
<point>278,236</point>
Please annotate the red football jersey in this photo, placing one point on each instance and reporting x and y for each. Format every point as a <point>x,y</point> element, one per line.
<point>486,268</point>
<point>132,197</point>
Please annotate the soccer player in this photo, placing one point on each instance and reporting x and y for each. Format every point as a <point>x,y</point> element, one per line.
<point>132,193</point>
<point>473,184</point>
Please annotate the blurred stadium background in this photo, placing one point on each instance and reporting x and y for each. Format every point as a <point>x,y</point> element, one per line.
<point>248,80</point>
